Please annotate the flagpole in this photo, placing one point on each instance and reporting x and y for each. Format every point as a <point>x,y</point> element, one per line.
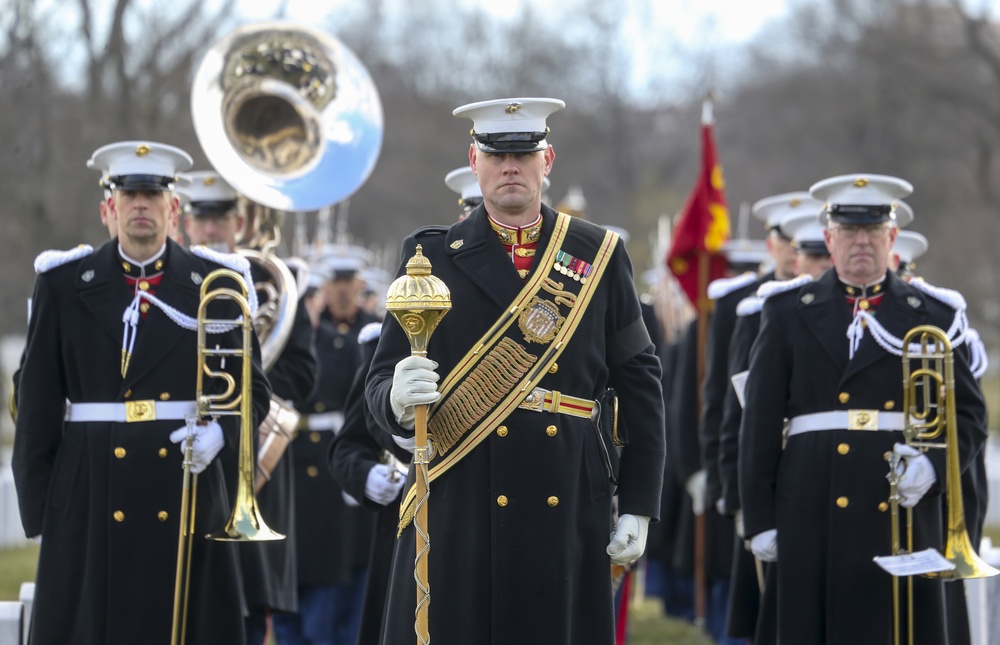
<point>699,518</point>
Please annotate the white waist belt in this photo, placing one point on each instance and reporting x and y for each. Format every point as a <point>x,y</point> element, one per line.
<point>846,420</point>
<point>324,421</point>
<point>131,411</point>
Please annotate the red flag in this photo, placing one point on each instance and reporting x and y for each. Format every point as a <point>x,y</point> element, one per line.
<point>703,226</point>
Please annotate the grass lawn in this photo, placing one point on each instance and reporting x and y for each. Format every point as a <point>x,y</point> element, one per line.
<point>16,566</point>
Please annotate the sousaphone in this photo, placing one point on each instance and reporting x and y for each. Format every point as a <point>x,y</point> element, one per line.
<point>289,116</point>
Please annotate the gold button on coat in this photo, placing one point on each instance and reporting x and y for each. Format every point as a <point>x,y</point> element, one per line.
<point>890,405</point>
<point>883,506</point>
<point>120,453</point>
<point>551,431</point>
<point>143,285</point>
<point>128,393</point>
<point>164,396</point>
<point>144,307</point>
<point>842,502</point>
<point>844,448</point>
<point>314,437</point>
<point>319,407</point>
<point>502,431</point>
<point>119,516</point>
<point>162,516</point>
<point>844,397</point>
<point>162,452</point>
<point>312,471</point>
<point>554,368</point>
<point>553,501</point>
<point>502,500</point>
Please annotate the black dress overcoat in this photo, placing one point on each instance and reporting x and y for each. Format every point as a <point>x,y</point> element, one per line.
<point>519,526</point>
<point>104,496</point>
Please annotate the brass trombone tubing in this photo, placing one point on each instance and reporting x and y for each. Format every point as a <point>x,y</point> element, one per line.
<point>245,523</point>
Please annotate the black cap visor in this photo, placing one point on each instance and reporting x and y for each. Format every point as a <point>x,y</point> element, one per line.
<point>511,141</point>
<point>860,213</point>
<point>140,182</point>
<point>210,208</point>
<point>812,247</point>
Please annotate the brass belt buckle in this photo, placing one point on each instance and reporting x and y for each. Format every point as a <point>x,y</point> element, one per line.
<point>140,411</point>
<point>862,419</point>
<point>534,401</point>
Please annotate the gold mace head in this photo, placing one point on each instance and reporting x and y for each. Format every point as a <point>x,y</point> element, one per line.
<point>418,300</point>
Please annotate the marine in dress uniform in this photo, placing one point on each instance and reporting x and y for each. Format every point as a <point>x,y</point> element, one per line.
<point>212,217</point>
<point>96,462</point>
<point>333,533</point>
<point>519,515</point>
<point>819,503</point>
<point>370,468</point>
<point>753,610</point>
<point>685,445</point>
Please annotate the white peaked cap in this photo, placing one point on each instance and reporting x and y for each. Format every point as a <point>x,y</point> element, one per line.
<point>776,209</point>
<point>464,182</point>
<point>142,165</point>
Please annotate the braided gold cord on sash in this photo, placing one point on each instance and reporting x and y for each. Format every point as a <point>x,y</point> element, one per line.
<point>490,380</point>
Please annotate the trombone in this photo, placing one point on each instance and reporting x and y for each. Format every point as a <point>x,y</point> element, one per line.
<point>245,523</point>
<point>929,406</point>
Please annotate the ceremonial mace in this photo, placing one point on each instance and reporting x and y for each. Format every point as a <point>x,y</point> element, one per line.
<point>418,301</point>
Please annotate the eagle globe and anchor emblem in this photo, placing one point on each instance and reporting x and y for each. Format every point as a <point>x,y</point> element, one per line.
<point>540,321</point>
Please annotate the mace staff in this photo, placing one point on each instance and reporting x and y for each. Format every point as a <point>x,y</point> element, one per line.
<point>418,301</point>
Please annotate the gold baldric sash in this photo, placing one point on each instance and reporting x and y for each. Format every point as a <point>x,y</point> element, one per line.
<point>499,372</point>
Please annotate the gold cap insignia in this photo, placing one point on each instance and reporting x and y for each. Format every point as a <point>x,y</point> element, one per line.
<point>512,107</point>
<point>209,181</point>
<point>860,182</point>
<point>795,202</point>
<point>457,244</point>
<point>141,150</point>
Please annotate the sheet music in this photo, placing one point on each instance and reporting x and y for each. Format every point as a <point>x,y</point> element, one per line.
<point>914,564</point>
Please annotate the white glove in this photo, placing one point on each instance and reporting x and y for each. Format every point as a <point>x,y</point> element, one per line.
<point>383,484</point>
<point>738,521</point>
<point>697,488</point>
<point>37,539</point>
<point>413,383</point>
<point>349,499</point>
<point>629,539</point>
<point>764,546</point>
<point>208,441</point>
<point>916,477</point>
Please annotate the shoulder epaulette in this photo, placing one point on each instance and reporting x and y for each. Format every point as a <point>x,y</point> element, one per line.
<point>432,229</point>
<point>369,332</point>
<point>774,287</point>
<point>950,297</point>
<point>233,261</point>
<point>979,360</point>
<point>723,286</point>
<point>48,260</point>
<point>750,306</point>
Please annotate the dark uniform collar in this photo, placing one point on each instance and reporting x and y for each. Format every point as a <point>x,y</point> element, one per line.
<point>862,291</point>
<point>135,269</point>
<point>863,297</point>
